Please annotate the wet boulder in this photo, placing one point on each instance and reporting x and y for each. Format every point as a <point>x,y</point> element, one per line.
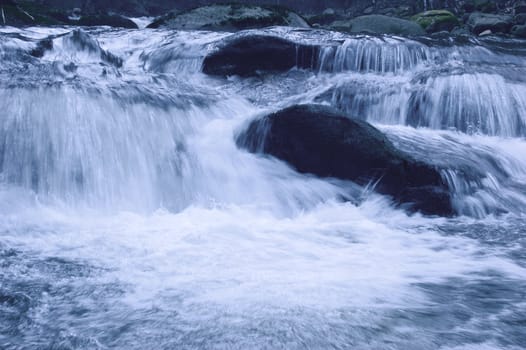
<point>319,140</point>
<point>480,22</point>
<point>436,20</point>
<point>229,17</point>
<point>251,54</point>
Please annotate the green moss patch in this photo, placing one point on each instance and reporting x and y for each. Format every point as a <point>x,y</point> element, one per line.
<point>436,20</point>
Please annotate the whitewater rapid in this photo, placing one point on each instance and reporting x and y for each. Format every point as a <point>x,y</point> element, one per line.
<point>130,219</point>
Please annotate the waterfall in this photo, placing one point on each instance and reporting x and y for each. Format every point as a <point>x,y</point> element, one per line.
<point>129,216</point>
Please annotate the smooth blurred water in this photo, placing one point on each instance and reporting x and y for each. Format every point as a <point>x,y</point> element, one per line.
<point>129,219</point>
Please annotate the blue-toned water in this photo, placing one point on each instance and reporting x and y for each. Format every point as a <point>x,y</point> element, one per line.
<point>129,219</point>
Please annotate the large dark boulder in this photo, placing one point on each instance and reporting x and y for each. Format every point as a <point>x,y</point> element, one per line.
<point>229,17</point>
<point>319,140</point>
<point>248,55</point>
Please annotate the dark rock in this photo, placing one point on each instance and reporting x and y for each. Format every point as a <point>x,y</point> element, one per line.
<point>318,140</point>
<point>248,55</point>
<point>436,20</point>
<point>230,17</point>
<point>519,31</point>
<point>379,24</point>
<point>480,22</point>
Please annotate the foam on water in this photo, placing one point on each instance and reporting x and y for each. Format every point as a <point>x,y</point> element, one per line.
<point>128,216</point>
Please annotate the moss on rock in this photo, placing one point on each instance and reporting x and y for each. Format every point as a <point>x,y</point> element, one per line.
<point>436,20</point>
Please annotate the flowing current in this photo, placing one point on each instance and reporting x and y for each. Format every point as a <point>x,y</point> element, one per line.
<point>129,219</point>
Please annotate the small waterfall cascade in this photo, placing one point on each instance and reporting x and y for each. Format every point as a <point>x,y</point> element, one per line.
<point>129,216</point>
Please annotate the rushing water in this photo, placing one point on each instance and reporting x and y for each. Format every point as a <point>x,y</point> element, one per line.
<point>129,219</point>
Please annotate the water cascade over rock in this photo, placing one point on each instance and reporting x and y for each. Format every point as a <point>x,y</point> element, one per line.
<point>272,188</point>
<point>317,140</point>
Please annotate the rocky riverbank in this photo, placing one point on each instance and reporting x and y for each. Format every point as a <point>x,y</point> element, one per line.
<point>401,17</point>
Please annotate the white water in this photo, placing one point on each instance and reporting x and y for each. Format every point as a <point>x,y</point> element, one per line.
<point>128,216</point>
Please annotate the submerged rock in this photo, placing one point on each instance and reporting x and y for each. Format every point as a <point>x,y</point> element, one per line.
<point>480,22</point>
<point>379,24</point>
<point>230,17</point>
<point>436,20</point>
<point>248,55</point>
<point>319,140</point>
